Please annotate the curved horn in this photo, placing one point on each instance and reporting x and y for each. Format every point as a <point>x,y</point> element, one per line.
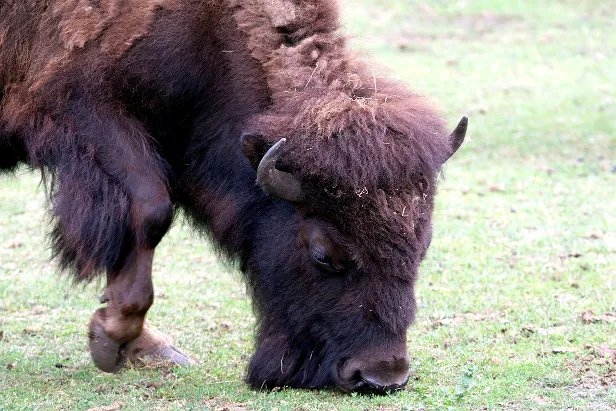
<point>456,138</point>
<point>275,182</point>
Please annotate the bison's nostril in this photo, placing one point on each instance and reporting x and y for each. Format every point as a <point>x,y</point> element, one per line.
<point>375,377</point>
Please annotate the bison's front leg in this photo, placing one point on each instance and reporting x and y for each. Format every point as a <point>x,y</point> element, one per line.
<point>119,332</point>
<point>129,295</point>
<point>110,202</point>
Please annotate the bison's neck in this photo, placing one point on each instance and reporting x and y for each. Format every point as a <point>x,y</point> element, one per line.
<point>220,195</point>
<point>215,182</point>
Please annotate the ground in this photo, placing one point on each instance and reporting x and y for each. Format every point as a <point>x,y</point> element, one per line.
<point>516,296</point>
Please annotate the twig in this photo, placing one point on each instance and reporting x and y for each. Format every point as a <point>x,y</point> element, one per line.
<point>222,382</point>
<point>316,66</point>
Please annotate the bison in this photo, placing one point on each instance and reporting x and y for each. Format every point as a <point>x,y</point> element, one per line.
<point>251,116</point>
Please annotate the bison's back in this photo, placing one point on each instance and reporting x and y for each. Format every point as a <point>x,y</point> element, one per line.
<point>156,59</point>
<point>19,29</point>
<point>53,49</point>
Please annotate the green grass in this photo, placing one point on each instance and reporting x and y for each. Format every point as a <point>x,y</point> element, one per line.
<point>512,267</point>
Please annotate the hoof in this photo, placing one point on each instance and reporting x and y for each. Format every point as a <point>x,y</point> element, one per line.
<point>173,355</point>
<point>168,354</point>
<point>107,354</point>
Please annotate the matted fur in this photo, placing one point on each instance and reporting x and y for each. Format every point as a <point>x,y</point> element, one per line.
<point>343,123</point>
<point>116,24</point>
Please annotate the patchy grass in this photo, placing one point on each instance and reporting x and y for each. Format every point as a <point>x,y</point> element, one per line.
<point>524,239</point>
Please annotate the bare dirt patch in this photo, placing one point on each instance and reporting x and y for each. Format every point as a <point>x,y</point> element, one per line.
<point>597,375</point>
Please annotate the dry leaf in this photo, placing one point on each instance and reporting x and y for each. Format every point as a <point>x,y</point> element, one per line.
<point>115,406</point>
<point>527,330</point>
<point>101,388</point>
<point>32,330</point>
<point>1,335</point>
<point>605,351</point>
<point>497,188</point>
<point>572,255</point>
<point>594,236</point>
<point>562,350</point>
<point>458,319</point>
<point>589,317</point>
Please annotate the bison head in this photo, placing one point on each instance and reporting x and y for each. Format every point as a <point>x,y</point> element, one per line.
<point>333,269</point>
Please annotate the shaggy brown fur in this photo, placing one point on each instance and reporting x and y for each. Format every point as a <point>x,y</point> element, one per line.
<point>340,118</point>
<point>132,106</point>
<point>367,142</point>
<point>116,24</point>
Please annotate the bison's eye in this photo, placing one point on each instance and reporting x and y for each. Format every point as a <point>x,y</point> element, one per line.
<point>321,259</point>
<point>325,253</point>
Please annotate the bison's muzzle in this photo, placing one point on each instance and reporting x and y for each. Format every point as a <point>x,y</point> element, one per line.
<point>374,375</point>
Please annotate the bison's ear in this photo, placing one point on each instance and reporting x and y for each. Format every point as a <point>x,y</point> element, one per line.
<point>255,146</point>
<point>456,138</point>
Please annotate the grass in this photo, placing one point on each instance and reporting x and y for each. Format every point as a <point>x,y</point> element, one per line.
<point>524,238</point>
